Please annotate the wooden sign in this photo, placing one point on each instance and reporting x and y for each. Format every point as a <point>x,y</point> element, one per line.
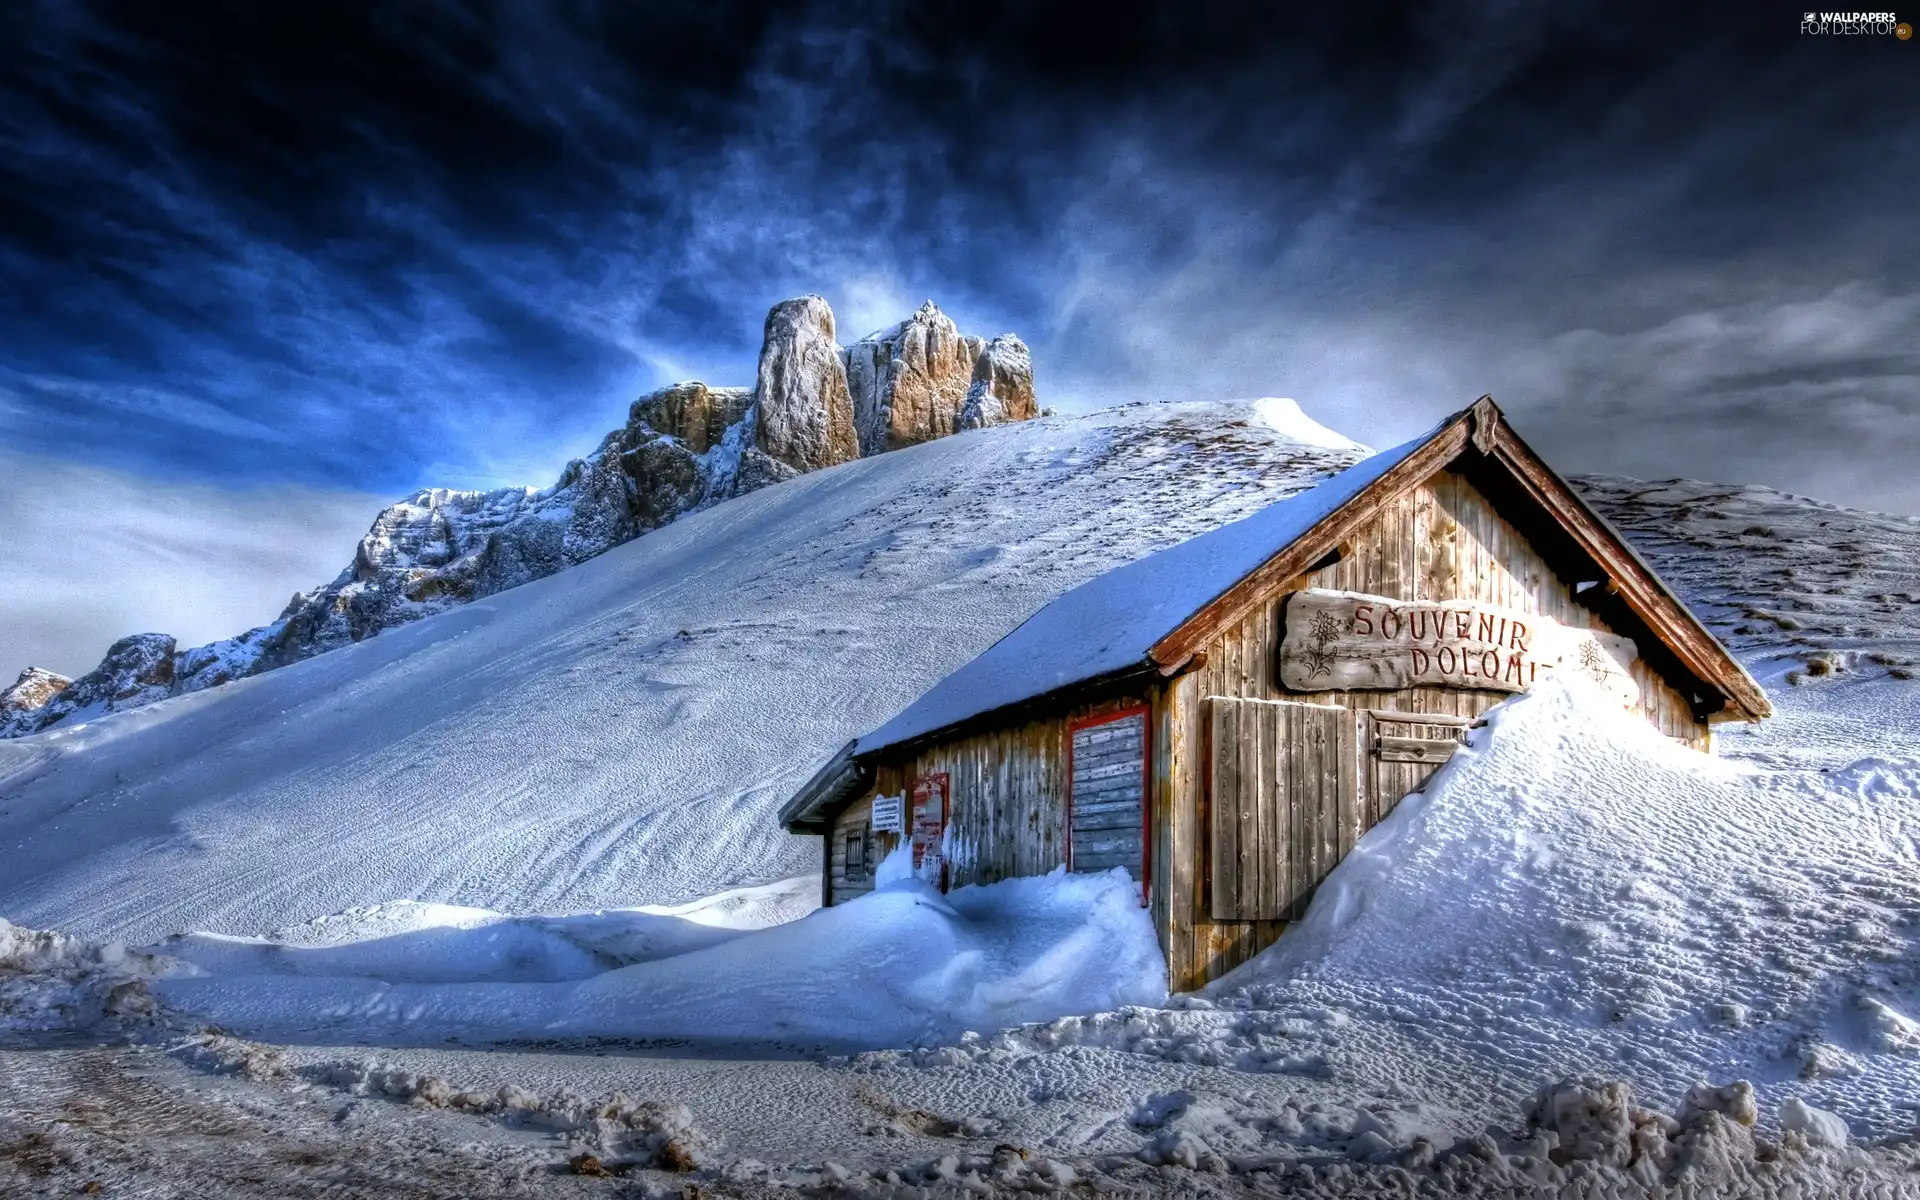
<point>890,813</point>
<point>929,819</point>
<point>1336,641</point>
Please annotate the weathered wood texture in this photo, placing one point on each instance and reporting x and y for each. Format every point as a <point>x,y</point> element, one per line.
<point>1399,752</point>
<point>1107,800</point>
<point>854,822</point>
<point>1007,806</point>
<point>1284,808</point>
<point>1439,541</point>
<point>1346,641</point>
<point>1444,541</point>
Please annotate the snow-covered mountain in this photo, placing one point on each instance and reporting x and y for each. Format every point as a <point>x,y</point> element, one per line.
<point>683,448</point>
<point>622,731</point>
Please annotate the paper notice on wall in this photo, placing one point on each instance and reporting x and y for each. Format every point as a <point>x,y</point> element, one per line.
<point>890,813</point>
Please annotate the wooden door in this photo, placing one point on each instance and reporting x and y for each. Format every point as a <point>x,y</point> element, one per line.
<point>1282,803</point>
<point>1107,794</point>
<point>1401,751</point>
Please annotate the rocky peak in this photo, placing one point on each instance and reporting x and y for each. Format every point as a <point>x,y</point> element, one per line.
<point>1002,385</point>
<point>695,415</point>
<point>137,670</point>
<point>803,411</point>
<point>909,382</point>
<point>31,691</point>
<point>683,447</point>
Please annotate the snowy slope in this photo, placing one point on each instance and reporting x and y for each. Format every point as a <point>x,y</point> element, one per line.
<point>623,732</point>
<point>1821,603</point>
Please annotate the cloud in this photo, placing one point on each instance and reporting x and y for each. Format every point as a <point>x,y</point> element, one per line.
<point>1818,390</point>
<point>95,554</point>
<point>1650,232</point>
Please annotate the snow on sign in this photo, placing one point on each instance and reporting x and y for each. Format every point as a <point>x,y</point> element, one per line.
<point>929,818</point>
<point>890,813</point>
<point>1337,641</point>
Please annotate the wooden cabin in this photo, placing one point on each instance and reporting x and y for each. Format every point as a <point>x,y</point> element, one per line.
<point>1226,717</point>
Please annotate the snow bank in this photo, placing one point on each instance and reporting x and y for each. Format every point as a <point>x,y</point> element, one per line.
<point>1576,894</point>
<point>1285,416</point>
<point>410,942</point>
<point>900,966</point>
<point>49,981</point>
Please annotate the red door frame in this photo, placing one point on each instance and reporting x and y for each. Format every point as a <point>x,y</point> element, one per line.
<point>944,781</point>
<point>1145,713</point>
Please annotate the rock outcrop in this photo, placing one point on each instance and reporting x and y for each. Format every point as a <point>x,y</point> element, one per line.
<point>137,670</point>
<point>804,412</point>
<point>683,447</point>
<point>1002,385</point>
<point>33,690</point>
<point>917,381</point>
<point>909,382</point>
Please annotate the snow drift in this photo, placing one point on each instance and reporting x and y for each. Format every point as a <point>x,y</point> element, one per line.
<point>900,966</point>
<point>1574,894</point>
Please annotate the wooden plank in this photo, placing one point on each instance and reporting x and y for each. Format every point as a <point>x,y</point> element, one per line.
<point>1327,813</point>
<point>1223,716</point>
<point>1186,883</point>
<point>1351,640</point>
<point>1273,811</point>
<point>1298,829</point>
<point>1397,717</point>
<point>1347,786</point>
<point>1414,750</point>
<point>1252,772</point>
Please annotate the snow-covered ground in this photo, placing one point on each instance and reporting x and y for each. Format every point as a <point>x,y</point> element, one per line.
<point>1511,988</point>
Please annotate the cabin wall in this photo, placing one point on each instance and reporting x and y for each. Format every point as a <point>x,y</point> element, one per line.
<point>855,822</point>
<point>1442,541</point>
<point>1006,803</point>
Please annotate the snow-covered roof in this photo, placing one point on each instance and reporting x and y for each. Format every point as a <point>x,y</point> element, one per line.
<point>1109,623</point>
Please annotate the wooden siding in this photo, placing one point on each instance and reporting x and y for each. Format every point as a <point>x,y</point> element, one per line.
<point>1007,804</point>
<point>853,822</point>
<point>1108,793</point>
<point>1398,753</point>
<point>1440,541</point>
<point>1285,810</point>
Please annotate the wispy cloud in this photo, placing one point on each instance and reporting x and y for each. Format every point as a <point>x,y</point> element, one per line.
<point>230,258</point>
<point>94,554</point>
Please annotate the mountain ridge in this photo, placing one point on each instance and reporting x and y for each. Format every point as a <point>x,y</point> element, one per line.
<point>684,447</point>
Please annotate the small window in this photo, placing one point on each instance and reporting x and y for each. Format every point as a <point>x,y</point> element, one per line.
<point>856,846</point>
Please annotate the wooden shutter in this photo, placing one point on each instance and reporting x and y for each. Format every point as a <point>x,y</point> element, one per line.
<point>1107,798</point>
<point>1402,750</point>
<point>1283,803</point>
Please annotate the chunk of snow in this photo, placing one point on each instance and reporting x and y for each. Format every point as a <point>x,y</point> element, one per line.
<point>1817,1125</point>
<point>1572,887</point>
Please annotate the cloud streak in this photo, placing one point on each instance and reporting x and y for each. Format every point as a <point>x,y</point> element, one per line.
<point>445,245</point>
<point>94,554</point>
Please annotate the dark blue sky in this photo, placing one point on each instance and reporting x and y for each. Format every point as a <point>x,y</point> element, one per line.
<point>360,249</point>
